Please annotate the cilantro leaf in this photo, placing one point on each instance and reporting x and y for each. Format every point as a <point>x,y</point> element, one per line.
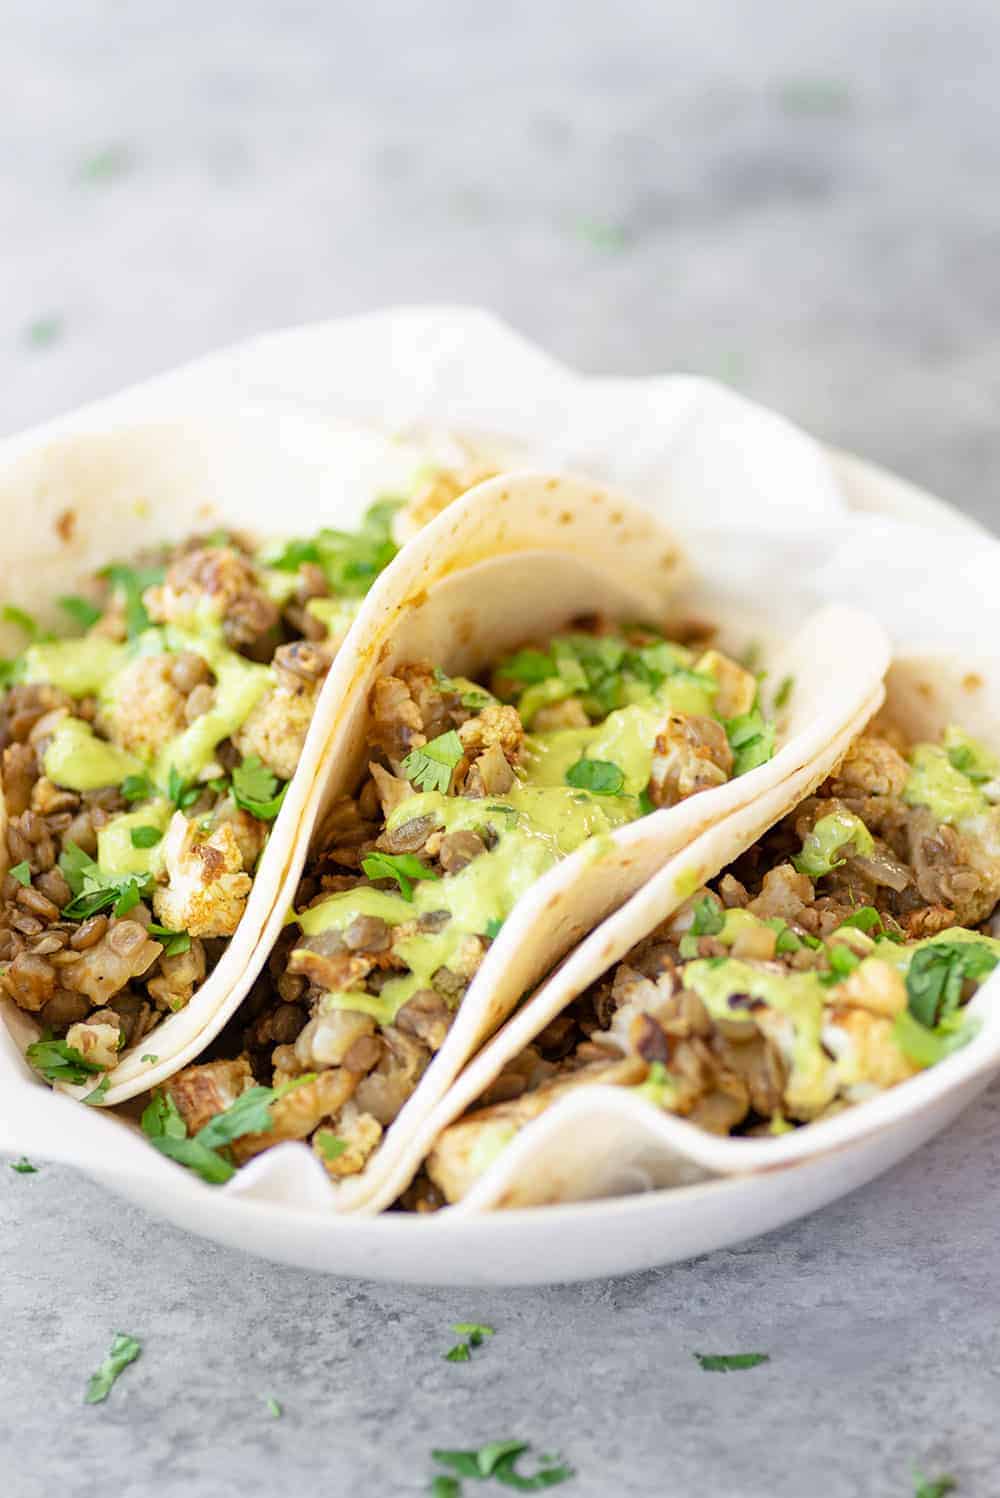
<point>842,963</point>
<point>274,1408</point>
<point>443,1486</point>
<point>505,1471</point>
<point>329,1146</point>
<point>292,555</point>
<point>174,942</point>
<point>528,666</point>
<point>429,768</point>
<point>866,918</point>
<point>729,1362</point>
<point>94,890</point>
<point>138,788</point>
<point>707,917</point>
<point>599,776</point>
<point>181,793</point>
<point>933,1488</point>
<point>59,1062</point>
<point>463,1462</point>
<point>26,622</point>
<point>24,1167</point>
<point>751,738</point>
<point>145,837</point>
<point>255,789</point>
<point>403,867</point>
<point>80,610</point>
<point>21,872</point>
<point>249,1114</point>
<point>493,928</point>
<point>936,976</point>
<point>474,1330</point>
<point>149,1058</point>
<point>124,1350</point>
<point>353,560</point>
<point>131,583</point>
<point>785,688</point>
<point>96,1096</point>
<point>458,1354</point>
<point>164,1127</point>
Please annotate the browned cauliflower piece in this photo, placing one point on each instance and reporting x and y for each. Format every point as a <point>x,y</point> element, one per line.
<point>495,725</point>
<point>277,726</point>
<point>179,976</point>
<point>360,1132</point>
<point>125,951</point>
<point>300,1111</point>
<point>146,709</point>
<point>691,754</point>
<point>229,583</point>
<point>737,689</point>
<point>200,1092</point>
<point>97,1039</point>
<point>875,986</point>
<point>865,1049</point>
<point>207,889</point>
<point>871,767</point>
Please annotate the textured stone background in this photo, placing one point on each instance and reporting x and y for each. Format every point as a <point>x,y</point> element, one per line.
<point>798,198</point>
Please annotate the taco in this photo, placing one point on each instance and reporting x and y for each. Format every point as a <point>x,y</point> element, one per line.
<point>160,727</point>
<point>521,756</point>
<point>832,958</point>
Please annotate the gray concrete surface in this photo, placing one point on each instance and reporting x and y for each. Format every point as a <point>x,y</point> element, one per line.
<point>799,198</point>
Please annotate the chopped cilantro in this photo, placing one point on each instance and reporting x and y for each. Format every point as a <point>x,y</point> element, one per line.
<point>785,688</point>
<point>429,768</point>
<point>936,1487</point>
<point>458,1354</point>
<point>124,1350</point>
<point>599,776</point>
<point>180,792</point>
<point>59,1062</point>
<point>104,165</point>
<point>751,738</point>
<point>255,789</point>
<point>24,1167</point>
<point>204,1152</point>
<point>474,1330</point>
<point>330,1147</point>
<point>610,238</point>
<point>93,890</point>
<point>842,963</point>
<point>730,1362</point>
<point>528,666</point>
<point>443,1486</point>
<point>96,1096</point>
<point>21,872</point>
<point>149,1057</point>
<point>43,331</point>
<point>403,867</point>
<point>174,942</point>
<point>292,555</point>
<point>866,918</point>
<point>138,788</point>
<point>353,560</point>
<point>937,973</point>
<point>26,622</point>
<point>131,583</point>
<point>145,837</point>
<point>80,610</point>
<point>493,928</point>
<point>707,917</point>
<point>645,803</point>
<point>688,946</point>
<point>274,1407</point>
<point>498,1460</point>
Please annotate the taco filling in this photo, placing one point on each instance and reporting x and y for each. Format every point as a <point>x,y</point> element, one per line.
<point>832,960</point>
<point>144,761</point>
<point>474,790</point>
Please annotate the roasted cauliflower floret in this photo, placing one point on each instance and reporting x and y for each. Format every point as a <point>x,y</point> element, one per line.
<point>498,725</point>
<point>876,986</point>
<point>97,1039</point>
<point>865,1049</point>
<point>207,889</point>
<point>277,726</point>
<point>146,710</point>
<point>691,754</point>
<point>222,580</point>
<point>871,767</point>
<point>360,1132</point>
<point>179,976</point>
<point>200,1092</point>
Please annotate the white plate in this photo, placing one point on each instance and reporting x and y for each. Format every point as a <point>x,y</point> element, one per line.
<point>540,1245</point>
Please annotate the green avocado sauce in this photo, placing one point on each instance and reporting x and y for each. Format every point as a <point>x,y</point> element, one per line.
<point>934,782</point>
<point>77,667</point>
<point>79,761</point>
<point>116,854</point>
<point>626,737</point>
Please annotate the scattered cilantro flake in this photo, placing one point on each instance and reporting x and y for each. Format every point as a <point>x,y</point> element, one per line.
<point>444,1486</point>
<point>611,238</point>
<point>814,96</point>
<point>82,612</point>
<point>255,789</point>
<point>751,738</point>
<point>458,1354</point>
<point>329,1146</point>
<point>24,621</point>
<point>429,768</point>
<point>96,1097</point>
<point>730,1362</point>
<point>274,1407</point>
<point>21,872</point>
<point>475,1329</point>
<point>489,1456</point>
<point>174,942</point>
<point>599,776</point>
<point>493,928</point>
<point>145,837</point>
<point>936,975</point>
<point>292,555</point>
<point>93,890</point>
<point>106,164</point>
<point>528,666</point>
<point>498,1460</point>
<point>204,1153</point>
<point>352,560</point>
<point>866,918</point>
<point>24,1167</point>
<point>59,1062</point>
<point>131,583</point>
<point>936,1487</point>
<point>149,1057</point>
<point>785,688</point>
<point>43,332</point>
<point>707,917</point>
<point>138,788</point>
<point>124,1350</point>
<point>403,867</point>
<point>842,963</point>
<point>179,792</point>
